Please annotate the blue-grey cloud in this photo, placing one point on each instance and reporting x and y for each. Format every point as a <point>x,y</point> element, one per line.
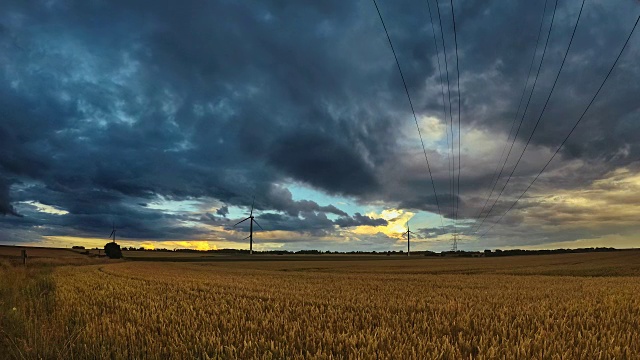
<point>360,220</point>
<point>223,211</point>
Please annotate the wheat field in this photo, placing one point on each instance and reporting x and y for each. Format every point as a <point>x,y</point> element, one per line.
<point>573,306</point>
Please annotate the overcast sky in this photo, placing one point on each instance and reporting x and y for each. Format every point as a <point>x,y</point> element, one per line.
<point>166,118</point>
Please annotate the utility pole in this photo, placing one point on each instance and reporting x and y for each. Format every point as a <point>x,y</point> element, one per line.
<point>454,248</point>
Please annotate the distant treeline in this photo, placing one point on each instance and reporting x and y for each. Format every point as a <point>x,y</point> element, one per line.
<point>485,253</point>
<point>514,252</point>
<point>281,252</point>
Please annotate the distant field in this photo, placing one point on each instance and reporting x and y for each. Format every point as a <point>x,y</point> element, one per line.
<point>206,256</point>
<point>48,256</point>
<point>571,306</point>
<point>15,251</point>
<point>619,263</point>
<point>163,254</point>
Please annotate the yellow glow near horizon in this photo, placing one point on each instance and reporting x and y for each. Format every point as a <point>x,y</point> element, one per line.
<point>613,200</point>
<point>396,223</point>
<point>613,240</point>
<point>68,241</point>
<point>201,245</point>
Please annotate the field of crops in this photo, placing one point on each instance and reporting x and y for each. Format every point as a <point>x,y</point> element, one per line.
<point>46,256</point>
<point>485,308</point>
<point>34,252</point>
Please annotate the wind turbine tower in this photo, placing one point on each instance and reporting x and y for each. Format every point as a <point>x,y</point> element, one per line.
<point>408,233</point>
<point>252,220</point>
<point>113,232</point>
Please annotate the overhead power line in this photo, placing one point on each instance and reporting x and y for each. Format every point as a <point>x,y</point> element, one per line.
<point>572,129</point>
<point>444,106</point>
<point>446,66</point>
<point>544,108</point>
<point>415,118</point>
<point>455,37</point>
<point>494,179</point>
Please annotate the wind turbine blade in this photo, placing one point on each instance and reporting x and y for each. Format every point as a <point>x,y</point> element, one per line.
<point>112,232</point>
<point>254,220</point>
<point>247,237</point>
<point>241,221</point>
<point>252,203</point>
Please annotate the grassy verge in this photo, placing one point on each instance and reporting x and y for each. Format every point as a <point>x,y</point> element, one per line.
<point>29,326</point>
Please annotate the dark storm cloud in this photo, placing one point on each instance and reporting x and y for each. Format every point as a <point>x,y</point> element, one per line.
<point>430,232</point>
<point>5,203</point>
<point>223,211</point>
<point>309,223</point>
<point>598,39</point>
<point>280,198</point>
<point>359,220</point>
<point>316,223</point>
<point>322,162</point>
<point>106,105</point>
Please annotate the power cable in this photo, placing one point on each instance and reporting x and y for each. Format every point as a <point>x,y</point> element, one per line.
<point>415,118</point>
<point>572,129</point>
<point>455,37</point>
<point>446,66</point>
<point>495,179</point>
<point>541,113</point>
<point>444,106</point>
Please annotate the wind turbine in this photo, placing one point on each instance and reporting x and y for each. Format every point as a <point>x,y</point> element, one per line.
<point>252,220</point>
<point>113,232</point>
<point>408,233</point>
